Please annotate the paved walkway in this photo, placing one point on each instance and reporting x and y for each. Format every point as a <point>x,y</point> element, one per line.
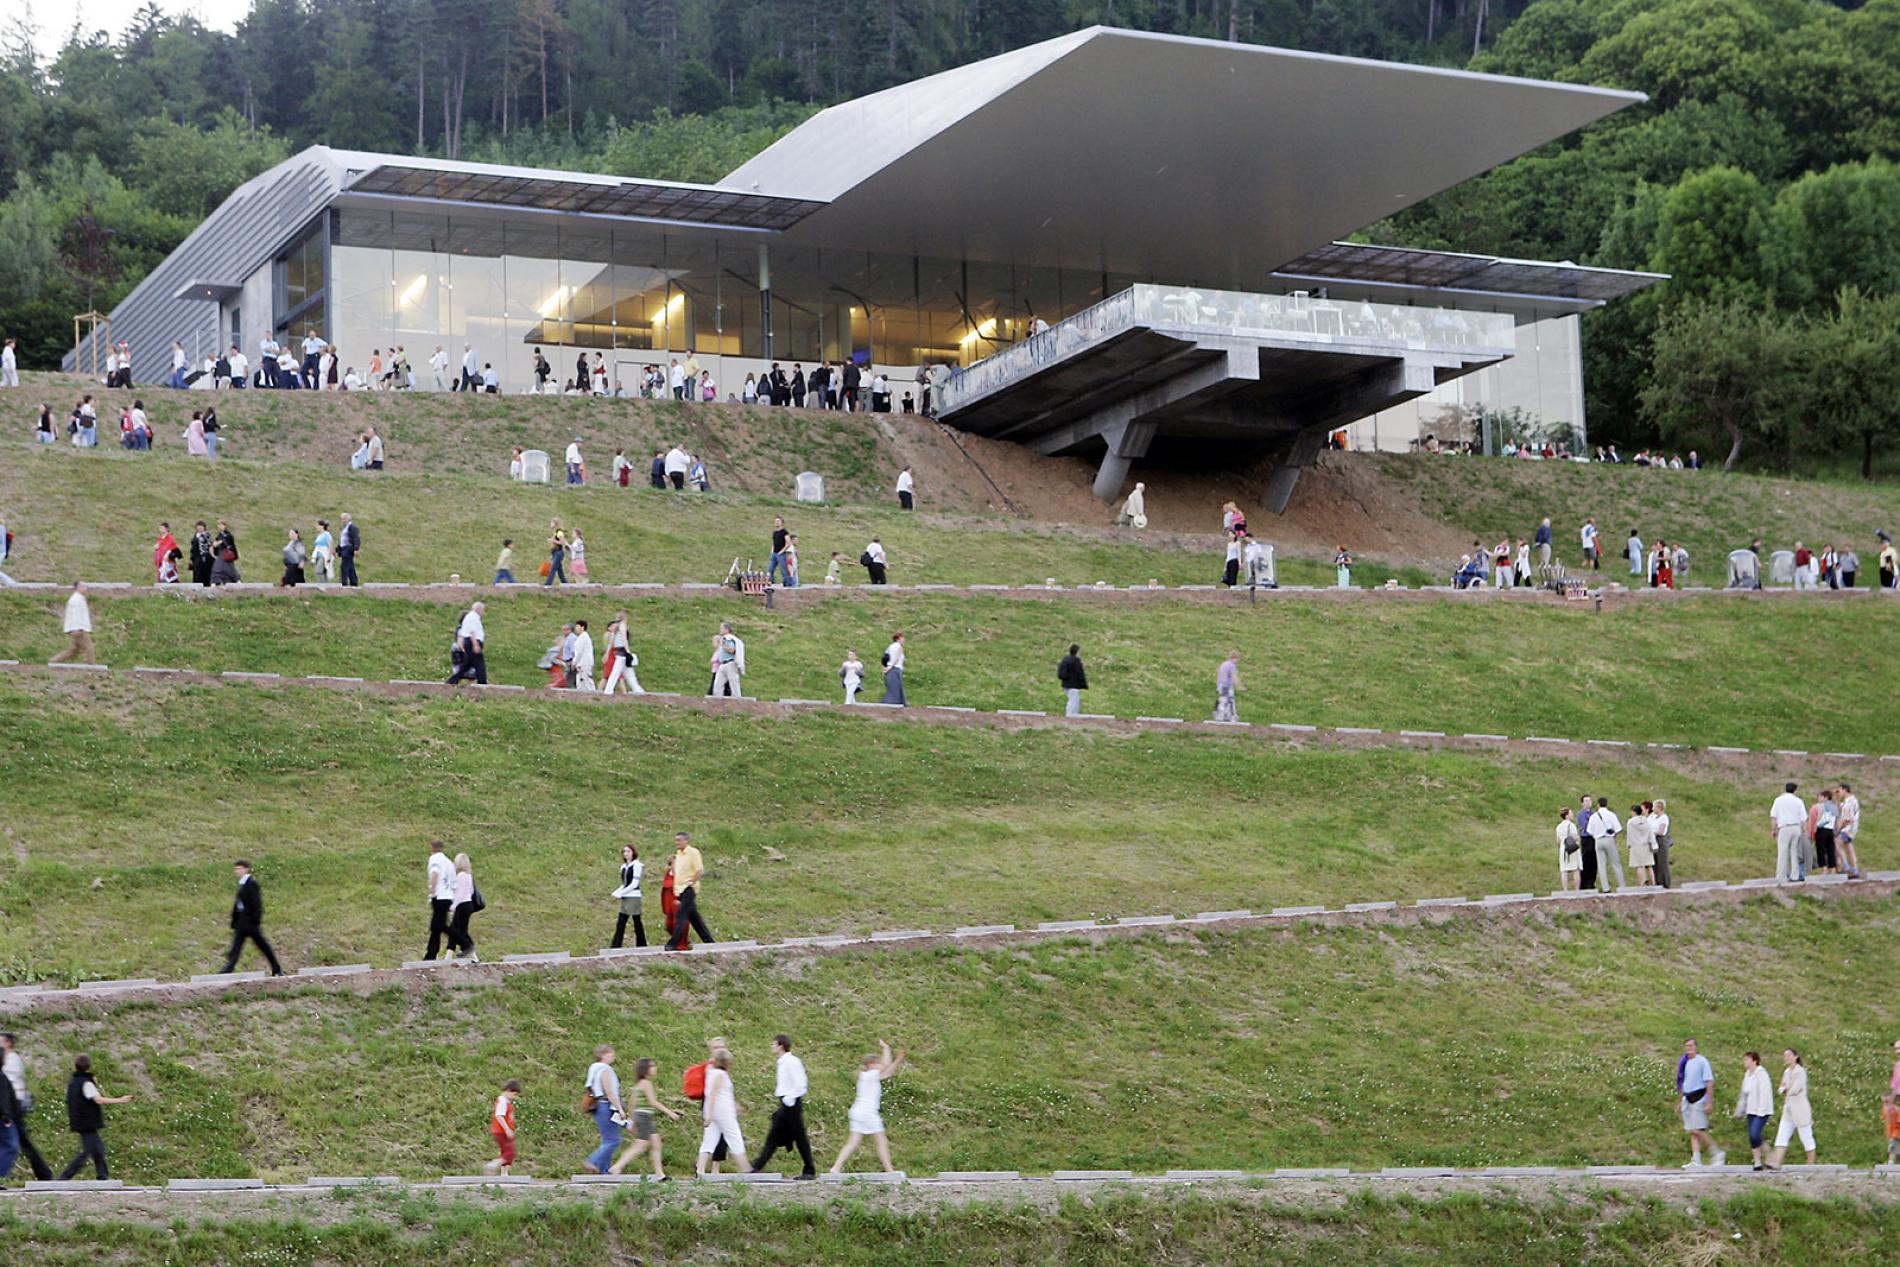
<point>93,994</point>
<point>955,714</point>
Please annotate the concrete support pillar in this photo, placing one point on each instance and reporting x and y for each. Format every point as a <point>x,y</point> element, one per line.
<point>765,299</point>
<point>1126,442</point>
<point>1280,484</point>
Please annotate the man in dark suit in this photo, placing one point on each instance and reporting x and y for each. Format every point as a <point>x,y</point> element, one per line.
<point>853,379</point>
<point>348,542</point>
<point>247,920</point>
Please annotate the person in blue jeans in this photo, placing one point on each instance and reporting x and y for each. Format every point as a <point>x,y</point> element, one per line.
<point>557,554</point>
<point>604,1085</point>
<point>776,565</point>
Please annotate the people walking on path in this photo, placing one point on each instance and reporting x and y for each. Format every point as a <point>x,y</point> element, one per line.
<point>1797,1115</point>
<point>788,1110</point>
<point>601,1102</point>
<point>505,562</point>
<point>1787,817</point>
<point>1226,685</point>
<point>581,660</point>
<point>349,542</point>
<point>471,642</point>
<point>247,920</point>
<point>1542,542</point>
<point>85,1117</point>
<point>224,556</point>
<point>441,890</point>
<point>894,671</point>
<point>77,625</point>
<point>13,1072</point>
<point>688,871</point>
<point>501,1125</point>
<point>577,555</point>
<point>621,661</point>
<point>555,568</point>
<point>1756,1104</point>
<point>1890,1118</point>
<point>1569,850</point>
<point>1695,1088</point>
<point>165,555</point>
<point>866,1117</point>
<point>906,490</point>
<point>1074,679</point>
<point>876,562</point>
<point>720,1112</point>
<point>294,556</point>
<point>465,900</point>
<point>630,895</point>
<point>646,1134</point>
<point>851,675</point>
<point>323,552</point>
<point>1342,563</point>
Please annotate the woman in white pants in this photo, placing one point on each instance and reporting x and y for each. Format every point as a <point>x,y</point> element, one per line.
<point>866,1117</point>
<point>721,1113</point>
<point>621,660</point>
<point>1796,1113</point>
<point>851,673</point>
<point>1569,850</point>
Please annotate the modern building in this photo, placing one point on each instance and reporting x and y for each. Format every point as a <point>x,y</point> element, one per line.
<point>1120,243</point>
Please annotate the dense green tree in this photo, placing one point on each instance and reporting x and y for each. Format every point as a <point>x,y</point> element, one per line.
<point>1724,370</point>
<point>1709,234</point>
<point>1835,229</point>
<point>187,171</point>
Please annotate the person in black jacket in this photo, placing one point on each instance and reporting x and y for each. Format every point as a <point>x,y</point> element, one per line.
<point>1074,679</point>
<point>348,542</point>
<point>853,377</point>
<point>85,1117</point>
<point>247,920</point>
<point>203,552</point>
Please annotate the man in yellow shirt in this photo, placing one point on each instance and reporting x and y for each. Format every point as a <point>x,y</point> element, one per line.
<point>687,870</point>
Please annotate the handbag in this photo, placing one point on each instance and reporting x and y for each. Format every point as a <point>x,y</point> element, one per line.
<point>476,902</point>
<point>864,560</point>
<point>546,567</point>
<point>588,1101</point>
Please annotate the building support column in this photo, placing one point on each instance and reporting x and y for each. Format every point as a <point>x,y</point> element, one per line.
<point>765,300</point>
<point>1299,455</point>
<point>1126,442</point>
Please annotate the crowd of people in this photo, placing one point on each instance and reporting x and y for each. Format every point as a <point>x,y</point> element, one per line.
<point>211,558</point>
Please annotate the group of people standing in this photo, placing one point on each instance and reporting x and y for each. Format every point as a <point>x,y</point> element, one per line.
<point>1588,854</point>
<point>1815,838</point>
<point>615,1110</point>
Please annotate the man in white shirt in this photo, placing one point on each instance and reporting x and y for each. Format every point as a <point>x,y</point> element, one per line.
<point>267,350</point>
<point>788,1115</point>
<point>441,884</point>
<point>1787,817</point>
<point>583,657</point>
<point>676,379</point>
<point>439,366</point>
<point>1590,552</point>
<point>240,367</point>
<point>491,380</point>
<point>470,639</point>
<point>876,565</point>
<point>677,463</point>
<point>905,488</point>
<point>573,460</point>
<point>313,346</point>
<point>1604,826</point>
<point>894,671</point>
<point>78,626</point>
<point>9,364</point>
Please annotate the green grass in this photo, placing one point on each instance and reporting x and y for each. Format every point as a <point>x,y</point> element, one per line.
<point>1493,1230</point>
<point>1544,1040</point>
<point>127,802</point>
<point>1710,512</point>
<point>421,528</point>
<point>1716,670</point>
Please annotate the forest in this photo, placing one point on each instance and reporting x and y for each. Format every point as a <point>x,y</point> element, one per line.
<point>1761,173</point>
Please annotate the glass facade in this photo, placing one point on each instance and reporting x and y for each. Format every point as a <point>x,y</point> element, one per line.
<point>643,294</point>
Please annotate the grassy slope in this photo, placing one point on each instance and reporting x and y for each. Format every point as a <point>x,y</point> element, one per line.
<point>1308,1046</point>
<point>424,527</point>
<point>1700,671</point>
<point>1756,1228</point>
<point>126,803</point>
<point>1710,512</point>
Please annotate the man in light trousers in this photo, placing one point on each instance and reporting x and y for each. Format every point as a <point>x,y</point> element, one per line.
<point>1605,826</point>
<point>1787,819</point>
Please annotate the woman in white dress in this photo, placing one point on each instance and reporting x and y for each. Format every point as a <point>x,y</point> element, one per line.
<point>851,673</point>
<point>1642,845</point>
<point>1796,1113</point>
<point>1569,850</point>
<point>865,1118</point>
<point>621,659</point>
<point>721,1115</point>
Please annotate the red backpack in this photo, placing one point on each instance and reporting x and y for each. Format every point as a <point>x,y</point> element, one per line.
<point>693,1086</point>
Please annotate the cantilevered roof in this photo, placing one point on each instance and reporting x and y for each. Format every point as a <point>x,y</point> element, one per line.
<point>1153,155</point>
<point>580,194</point>
<point>1415,269</point>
